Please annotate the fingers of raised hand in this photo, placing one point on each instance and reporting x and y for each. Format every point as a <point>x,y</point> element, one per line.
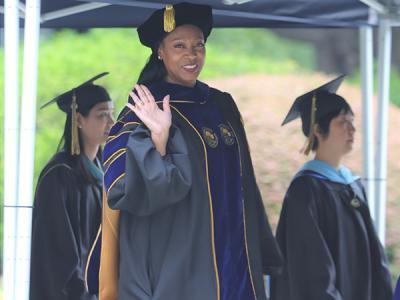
<point>131,107</point>
<point>166,107</point>
<point>144,94</point>
<point>138,102</point>
<point>148,93</point>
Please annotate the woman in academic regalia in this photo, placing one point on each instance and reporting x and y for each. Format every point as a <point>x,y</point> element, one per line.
<point>67,206</point>
<point>183,208</point>
<point>325,230</point>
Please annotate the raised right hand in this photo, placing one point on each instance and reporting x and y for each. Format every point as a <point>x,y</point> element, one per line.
<point>157,120</point>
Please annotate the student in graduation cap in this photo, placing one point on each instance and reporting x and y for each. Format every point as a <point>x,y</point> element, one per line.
<point>325,230</point>
<point>191,223</point>
<point>67,206</point>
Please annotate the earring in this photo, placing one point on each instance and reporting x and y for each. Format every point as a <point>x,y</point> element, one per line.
<point>159,57</point>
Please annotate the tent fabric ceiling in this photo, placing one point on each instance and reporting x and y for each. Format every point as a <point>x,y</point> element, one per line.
<point>255,13</point>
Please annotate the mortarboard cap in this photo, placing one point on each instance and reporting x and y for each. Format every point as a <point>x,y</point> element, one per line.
<point>302,104</point>
<point>87,95</point>
<point>165,20</point>
<point>80,99</point>
<point>314,105</point>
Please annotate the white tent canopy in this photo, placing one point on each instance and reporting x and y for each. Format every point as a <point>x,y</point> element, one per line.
<point>20,136</point>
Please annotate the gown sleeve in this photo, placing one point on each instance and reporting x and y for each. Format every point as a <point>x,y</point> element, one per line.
<point>56,270</point>
<point>142,182</point>
<point>310,270</point>
<point>272,260</point>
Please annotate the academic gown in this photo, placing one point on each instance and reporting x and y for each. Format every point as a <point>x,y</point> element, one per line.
<point>191,225</point>
<point>329,243</point>
<point>66,217</point>
<point>396,295</point>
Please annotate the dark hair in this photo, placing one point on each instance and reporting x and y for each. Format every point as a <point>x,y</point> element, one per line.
<point>325,121</point>
<point>153,71</point>
<point>77,160</point>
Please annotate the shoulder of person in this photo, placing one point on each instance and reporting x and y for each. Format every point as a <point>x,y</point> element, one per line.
<point>304,182</point>
<point>301,179</point>
<point>302,193</point>
<point>60,166</point>
<point>221,95</point>
<point>225,100</point>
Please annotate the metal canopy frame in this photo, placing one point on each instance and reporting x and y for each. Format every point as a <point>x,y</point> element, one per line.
<point>228,10</point>
<point>21,135</point>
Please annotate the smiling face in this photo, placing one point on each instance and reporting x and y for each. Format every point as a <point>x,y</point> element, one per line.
<point>96,126</point>
<point>340,138</point>
<point>183,53</point>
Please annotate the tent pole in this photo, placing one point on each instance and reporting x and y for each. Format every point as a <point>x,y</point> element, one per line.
<point>384,61</point>
<point>11,48</point>
<point>27,146</point>
<point>367,82</point>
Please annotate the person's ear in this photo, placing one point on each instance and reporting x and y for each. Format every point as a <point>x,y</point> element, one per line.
<point>79,120</point>
<point>317,131</point>
<point>160,53</point>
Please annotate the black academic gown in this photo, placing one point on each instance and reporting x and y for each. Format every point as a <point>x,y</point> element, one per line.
<point>329,243</point>
<point>66,216</point>
<point>166,242</point>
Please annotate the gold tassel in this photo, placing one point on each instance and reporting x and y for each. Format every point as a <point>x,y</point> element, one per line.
<point>310,140</point>
<point>169,18</point>
<point>75,148</point>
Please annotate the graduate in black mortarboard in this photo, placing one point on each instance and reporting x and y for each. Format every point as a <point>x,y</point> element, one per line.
<point>67,206</point>
<point>325,230</point>
<point>183,216</point>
